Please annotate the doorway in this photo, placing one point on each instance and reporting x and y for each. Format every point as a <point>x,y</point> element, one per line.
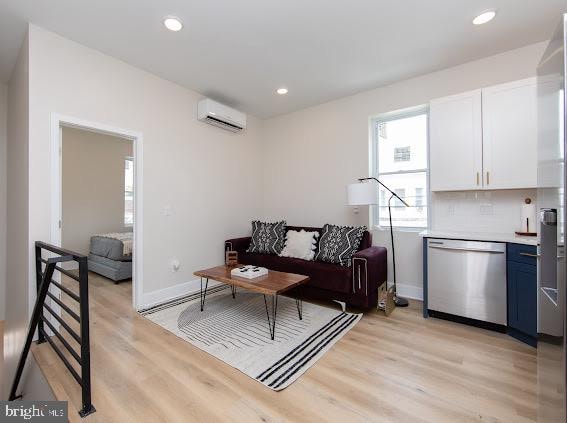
<point>96,198</point>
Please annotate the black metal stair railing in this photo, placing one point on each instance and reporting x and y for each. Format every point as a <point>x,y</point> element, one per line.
<point>44,280</point>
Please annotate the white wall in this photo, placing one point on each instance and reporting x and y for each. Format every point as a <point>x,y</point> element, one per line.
<point>3,176</point>
<point>312,154</point>
<point>17,286</point>
<point>190,167</point>
<point>92,186</point>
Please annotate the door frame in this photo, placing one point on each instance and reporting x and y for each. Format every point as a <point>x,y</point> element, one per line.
<point>58,121</point>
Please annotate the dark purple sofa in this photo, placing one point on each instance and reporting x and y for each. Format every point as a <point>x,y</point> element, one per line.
<point>357,285</point>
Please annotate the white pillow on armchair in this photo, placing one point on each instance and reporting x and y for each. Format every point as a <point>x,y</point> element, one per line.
<point>300,244</point>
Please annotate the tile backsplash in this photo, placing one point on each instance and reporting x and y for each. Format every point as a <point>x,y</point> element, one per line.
<point>479,211</point>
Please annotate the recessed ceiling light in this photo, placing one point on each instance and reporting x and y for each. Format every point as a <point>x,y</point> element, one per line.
<point>281,91</point>
<point>172,23</point>
<point>484,17</point>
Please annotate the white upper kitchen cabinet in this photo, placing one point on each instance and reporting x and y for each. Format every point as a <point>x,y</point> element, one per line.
<point>485,139</point>
<point>509,135</point>
<point>455,142</point>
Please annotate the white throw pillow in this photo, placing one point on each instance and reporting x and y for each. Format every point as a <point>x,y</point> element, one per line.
<point>300,244</point>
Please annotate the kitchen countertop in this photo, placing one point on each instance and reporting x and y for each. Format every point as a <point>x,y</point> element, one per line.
<point>482,236</point>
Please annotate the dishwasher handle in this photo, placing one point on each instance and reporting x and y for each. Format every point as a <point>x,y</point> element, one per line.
<point>476,250</point>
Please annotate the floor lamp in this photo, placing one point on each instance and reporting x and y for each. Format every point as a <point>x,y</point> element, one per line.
<point>366,194</point>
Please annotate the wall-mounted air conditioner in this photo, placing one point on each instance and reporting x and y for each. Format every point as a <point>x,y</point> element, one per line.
<point>220,115</point>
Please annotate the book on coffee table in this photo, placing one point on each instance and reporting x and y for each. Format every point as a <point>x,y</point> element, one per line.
<point>249,271</point>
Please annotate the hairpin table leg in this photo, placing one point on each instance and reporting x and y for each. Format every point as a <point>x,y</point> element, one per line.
<point>272,321</point>
<point>233,289</point>
<point>299,303</point>
<point>203,294</point>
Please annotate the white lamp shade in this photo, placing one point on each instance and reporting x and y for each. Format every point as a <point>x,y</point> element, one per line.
<point>362,194</point>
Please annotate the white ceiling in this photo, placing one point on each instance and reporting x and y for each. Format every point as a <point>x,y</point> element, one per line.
<point>240,51</point>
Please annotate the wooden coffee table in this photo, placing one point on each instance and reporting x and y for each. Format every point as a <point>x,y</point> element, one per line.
<point>272,284</point>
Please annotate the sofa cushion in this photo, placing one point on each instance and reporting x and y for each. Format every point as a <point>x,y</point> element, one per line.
<point>300,244</point>
<point>267,238</point>
<point>364,243</point>
<point>252,258</point>
<point>323,275</point>
<point>328,276</point>
<point>338,243</point>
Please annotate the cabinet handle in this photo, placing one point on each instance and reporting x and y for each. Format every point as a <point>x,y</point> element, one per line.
<point>529,255</point>
<point>487,178</point>
<point>477,178</point>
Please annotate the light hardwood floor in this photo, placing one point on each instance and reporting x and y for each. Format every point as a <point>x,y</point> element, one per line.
<point>401,368</point>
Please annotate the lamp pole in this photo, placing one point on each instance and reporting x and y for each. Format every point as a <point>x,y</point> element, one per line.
<point>399,301</point>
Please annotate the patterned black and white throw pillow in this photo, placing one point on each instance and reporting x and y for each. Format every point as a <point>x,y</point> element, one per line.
<point>267,238</point>
<point>339,243</point>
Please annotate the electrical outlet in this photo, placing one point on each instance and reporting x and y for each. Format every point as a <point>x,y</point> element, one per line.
<point>175,265</point>
<point>167,210</point>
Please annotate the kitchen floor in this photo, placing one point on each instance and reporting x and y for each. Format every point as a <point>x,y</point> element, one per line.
<point>401,368</point>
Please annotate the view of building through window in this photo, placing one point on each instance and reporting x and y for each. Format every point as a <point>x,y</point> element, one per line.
<point>401,164</point>
<point>402,154</point>
<point>129,191</point>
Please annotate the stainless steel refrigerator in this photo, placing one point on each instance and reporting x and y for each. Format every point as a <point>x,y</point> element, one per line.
<point>552,265</point>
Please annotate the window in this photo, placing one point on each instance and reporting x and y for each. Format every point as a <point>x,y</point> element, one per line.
<point>129,191</point>
<point>400,162</point>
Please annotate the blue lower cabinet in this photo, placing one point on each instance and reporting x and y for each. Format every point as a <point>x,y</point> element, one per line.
<point>522,298</point>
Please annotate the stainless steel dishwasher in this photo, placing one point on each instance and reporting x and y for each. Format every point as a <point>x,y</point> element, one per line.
<point>468,279</point>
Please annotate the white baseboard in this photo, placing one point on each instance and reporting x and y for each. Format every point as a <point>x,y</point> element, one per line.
<point>410,291</point>
<point>155,298</point>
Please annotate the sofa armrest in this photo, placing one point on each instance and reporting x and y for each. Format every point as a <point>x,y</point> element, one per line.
<point>370,270</point>
<point>237,244</point>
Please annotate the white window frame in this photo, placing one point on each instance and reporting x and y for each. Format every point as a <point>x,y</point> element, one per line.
<point>386,117</point>
<point>127,225</point>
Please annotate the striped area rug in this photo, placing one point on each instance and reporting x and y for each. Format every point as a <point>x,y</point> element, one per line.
<point>236,332</point>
